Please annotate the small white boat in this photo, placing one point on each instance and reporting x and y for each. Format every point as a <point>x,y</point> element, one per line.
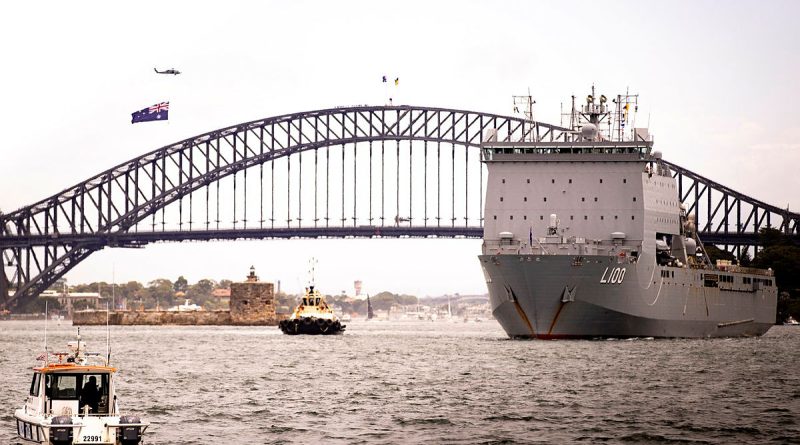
<point>791,322</point>
<point>72,400</point>
<point>187,306</point>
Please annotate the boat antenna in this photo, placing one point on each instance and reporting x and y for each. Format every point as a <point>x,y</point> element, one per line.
<point>108,338</point>
<point>45,332</point>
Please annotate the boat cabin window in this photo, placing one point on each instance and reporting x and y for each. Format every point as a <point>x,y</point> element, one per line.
<point>89,389</point>
<point>316,301</point>
<point>305,302</point>
<point>35,383</point>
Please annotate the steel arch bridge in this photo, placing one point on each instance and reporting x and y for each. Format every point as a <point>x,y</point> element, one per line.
<point>370,171</point>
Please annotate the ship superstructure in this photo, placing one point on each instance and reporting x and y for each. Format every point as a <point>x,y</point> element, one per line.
<point>585,236</point>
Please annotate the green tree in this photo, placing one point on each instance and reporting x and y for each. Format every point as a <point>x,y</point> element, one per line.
<point>200,292</point>
<point>783,257</point>
<point>36,306</point>
<point>715,253</point>
<point>180,285</point>
<point>159,290</point>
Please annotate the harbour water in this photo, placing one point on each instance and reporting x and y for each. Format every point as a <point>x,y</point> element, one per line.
<point>430,382</point>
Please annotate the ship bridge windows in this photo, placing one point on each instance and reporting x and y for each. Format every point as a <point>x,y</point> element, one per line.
<point>710,280</point>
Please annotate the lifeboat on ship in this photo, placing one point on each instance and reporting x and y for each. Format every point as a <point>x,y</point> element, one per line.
<point>312,316</point>
<point>72,400</point>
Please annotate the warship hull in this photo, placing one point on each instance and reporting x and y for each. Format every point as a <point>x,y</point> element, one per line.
<point>561,296</point>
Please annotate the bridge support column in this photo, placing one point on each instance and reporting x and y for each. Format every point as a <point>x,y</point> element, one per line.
<point>3,281</point>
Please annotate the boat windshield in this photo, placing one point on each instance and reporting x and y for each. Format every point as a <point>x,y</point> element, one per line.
<point>35,383</point>
<point>90,389</point>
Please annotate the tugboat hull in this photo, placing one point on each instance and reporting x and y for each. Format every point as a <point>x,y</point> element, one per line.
<point>311,326</point>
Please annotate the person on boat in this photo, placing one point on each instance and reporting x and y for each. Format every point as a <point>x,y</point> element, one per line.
<point>90,395</point>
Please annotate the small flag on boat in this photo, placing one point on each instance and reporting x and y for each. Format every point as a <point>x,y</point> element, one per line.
<point>384,79</point>
<point>157,112</point>
<point>396,81</point>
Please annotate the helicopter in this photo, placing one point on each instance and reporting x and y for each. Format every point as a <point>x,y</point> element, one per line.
<point>169,71</point>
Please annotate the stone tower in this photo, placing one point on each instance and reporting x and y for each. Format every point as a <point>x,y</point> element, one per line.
<point>252,302</point>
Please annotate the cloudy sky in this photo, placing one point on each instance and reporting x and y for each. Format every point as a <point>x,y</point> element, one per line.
<point>718,81</point>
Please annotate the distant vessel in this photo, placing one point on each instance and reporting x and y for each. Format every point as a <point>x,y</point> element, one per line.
<point>73,400</point>
<point>187,306</point>
<point>370,313</point>
<point>312,316</point>
<point>791,322</point>
<point>626,261</point>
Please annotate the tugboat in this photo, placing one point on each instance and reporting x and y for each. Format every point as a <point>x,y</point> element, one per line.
<point>312,316</point>
<point>72,400</point>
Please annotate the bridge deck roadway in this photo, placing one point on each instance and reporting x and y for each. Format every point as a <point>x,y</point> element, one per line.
<point>135,239</point>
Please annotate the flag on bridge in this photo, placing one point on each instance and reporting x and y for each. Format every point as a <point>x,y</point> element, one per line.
<point>157,112</point>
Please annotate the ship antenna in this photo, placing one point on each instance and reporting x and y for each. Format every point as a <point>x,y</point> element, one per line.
<point>312,262</point>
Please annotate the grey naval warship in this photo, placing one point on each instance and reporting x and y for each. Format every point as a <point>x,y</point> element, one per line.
<point>585,236</point>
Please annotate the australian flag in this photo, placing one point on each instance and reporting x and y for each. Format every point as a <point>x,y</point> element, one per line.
<point>157,112</point>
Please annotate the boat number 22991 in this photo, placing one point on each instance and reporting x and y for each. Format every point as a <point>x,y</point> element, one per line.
<point>615,277</point>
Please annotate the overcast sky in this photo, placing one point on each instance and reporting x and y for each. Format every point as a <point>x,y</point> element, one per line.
<point>718,80</point>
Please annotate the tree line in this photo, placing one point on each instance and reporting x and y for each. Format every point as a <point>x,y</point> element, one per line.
<point>780,253</point>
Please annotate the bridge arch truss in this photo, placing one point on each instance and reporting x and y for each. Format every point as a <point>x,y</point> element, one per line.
<point>203,187</point>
